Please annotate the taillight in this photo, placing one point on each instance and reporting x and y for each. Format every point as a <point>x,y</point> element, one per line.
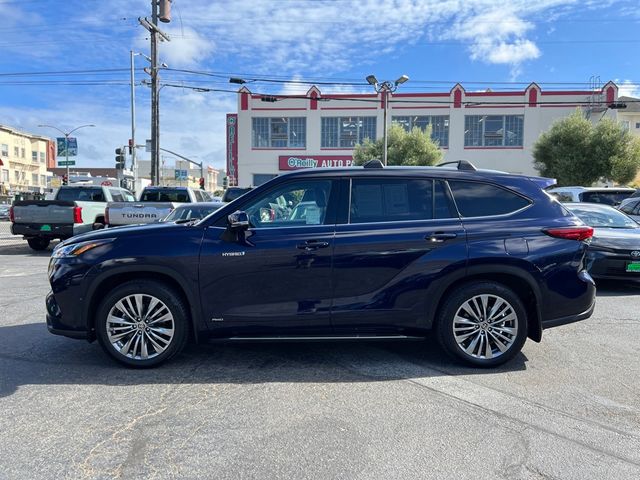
<point>77,214</point>
<point>106,216</point>
<point>570,233</point>
<point>12,218</point>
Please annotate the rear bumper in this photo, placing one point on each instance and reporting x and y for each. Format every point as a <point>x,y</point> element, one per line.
<point>556,322</point>
<point>56,230</point>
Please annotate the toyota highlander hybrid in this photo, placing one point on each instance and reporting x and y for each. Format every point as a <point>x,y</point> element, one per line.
<point>483,259</point>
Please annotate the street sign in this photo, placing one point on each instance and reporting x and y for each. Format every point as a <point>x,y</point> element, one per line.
<point>182,174</point>
<point>64,163</point>
<point>71,145</point>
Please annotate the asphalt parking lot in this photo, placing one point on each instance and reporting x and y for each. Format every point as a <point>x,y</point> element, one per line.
<point>567,408</point>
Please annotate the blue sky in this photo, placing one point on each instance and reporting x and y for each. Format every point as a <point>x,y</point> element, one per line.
<point>481,43</point>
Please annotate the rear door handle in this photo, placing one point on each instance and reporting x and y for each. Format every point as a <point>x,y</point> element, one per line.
<point>312,245</point>
<point>439,237</point>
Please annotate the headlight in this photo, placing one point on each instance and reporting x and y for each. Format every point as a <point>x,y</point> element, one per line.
<point>77,249</point>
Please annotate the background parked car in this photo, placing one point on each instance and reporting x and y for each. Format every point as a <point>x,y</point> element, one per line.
<point>232,193</point>
<point>4,211</point>
<point>192,211</point>
<point>606,195</point>
<point>614,252</point>
<point>631,207</point>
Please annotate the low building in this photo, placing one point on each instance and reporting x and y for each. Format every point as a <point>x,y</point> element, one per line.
<point>629,116</point>
<point>181,174</point>
<point>23,161</point>
<point>270,135</point>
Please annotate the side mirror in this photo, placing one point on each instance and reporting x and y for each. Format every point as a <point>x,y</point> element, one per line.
<point>238,220</point>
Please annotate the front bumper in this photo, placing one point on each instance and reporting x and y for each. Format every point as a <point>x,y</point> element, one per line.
<point>57,326</point>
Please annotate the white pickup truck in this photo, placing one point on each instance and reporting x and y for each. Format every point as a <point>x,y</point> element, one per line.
<point>76,209</point>
<point>155,203</point>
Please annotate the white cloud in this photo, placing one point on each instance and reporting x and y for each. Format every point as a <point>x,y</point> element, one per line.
<point>628,89</point>
<point>187,48</point>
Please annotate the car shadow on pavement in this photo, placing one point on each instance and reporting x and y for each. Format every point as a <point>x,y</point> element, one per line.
<point>24,249</point>
<point>30,355</point>
<point>617,288</point>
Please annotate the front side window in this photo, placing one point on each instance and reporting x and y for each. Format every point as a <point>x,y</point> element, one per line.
<point>279,132</point>
<point>395,200</point>
<point>346,132</point>
<point>291,205</point>
<point>493,130</point>
<point>475,199</point>
<point>439,126</point>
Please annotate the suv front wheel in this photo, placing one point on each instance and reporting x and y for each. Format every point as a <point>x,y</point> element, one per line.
<point>142,323</point>
<point>483,324</point>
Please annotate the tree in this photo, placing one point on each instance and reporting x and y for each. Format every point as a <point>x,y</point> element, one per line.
<point>576,152</point>
<point>403,148</point>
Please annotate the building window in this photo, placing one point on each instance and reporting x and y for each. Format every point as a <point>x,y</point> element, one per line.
<point>16,175</point>
<point>34,157</point>
<point>5,176</point>
<point>279,132</point>
<point>637,124</point>
<point>493,130</point>
<point>625,125</point>
<point>346,132</point>
<point>43,180</point>
<point>16,152</point>
<point>43,157</point>
<point>4,151</point>
<point>34,179</point>
<point>439,126</point>
<point>23,153</point>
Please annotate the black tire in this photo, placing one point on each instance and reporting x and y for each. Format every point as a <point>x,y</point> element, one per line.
<point>148,289</point>
<point>38,244</point>
<point>97,226</point>
<point>453,305</point>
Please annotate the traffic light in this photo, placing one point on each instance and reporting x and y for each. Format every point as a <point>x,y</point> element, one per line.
<point>120,158</point>
<point>225,183</point>
<point>201,183</point>
<point>130,147</point>
<point>65,180</point>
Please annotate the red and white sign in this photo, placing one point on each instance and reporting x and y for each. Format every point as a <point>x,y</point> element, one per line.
<point>296,162</point>
<point>232,148</point>
<point>107,183</point>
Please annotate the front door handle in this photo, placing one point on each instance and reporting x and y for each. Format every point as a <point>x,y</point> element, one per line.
<point>439,237</point>
<point>312,245</point>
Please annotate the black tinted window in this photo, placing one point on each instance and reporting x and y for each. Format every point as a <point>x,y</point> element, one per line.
<point>81,194</point>
<point>607,198</point>
<point>482,199</point>
<point>394,200</point>
<point>165,195</point>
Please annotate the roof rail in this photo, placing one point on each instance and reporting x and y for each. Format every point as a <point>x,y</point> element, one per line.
<point>461,165</point>
<point>373,164</point>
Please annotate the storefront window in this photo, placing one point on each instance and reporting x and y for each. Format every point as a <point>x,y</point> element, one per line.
<point>439,126</point>
<point>346,132</point>
<point>279,132</point>
<point>493,130</point>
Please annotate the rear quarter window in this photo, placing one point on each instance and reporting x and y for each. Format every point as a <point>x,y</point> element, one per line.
<point>476,199</point>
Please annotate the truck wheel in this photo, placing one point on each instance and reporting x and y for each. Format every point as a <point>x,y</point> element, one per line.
<point>142,323</point>
<point>99,224</point>
<point>38,243</point>
<point>483,324</point>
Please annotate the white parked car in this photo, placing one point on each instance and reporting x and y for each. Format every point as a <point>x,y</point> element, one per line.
<point>606,195</point>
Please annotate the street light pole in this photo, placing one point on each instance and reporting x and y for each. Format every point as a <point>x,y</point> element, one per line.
<point>66,141</point>
<point>386,88</point>
<point>134,165</point>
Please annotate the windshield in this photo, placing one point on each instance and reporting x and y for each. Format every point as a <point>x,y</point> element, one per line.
<point>603,217</point>
<point>165,195</point>
<point>81,194</point>
<point>607,198</point>
<point>189,213</point>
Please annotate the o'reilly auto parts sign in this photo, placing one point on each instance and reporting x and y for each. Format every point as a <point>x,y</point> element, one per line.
<point>296,162</point>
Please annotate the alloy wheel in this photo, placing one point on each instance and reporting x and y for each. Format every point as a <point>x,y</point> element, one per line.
<point>140,326</point>
<point>485,326</point>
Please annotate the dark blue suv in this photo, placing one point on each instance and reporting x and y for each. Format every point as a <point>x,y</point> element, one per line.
<point>484,259</point>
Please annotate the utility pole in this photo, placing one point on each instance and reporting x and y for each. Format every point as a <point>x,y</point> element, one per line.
<point>134,165</point>
<point>155,105</point>
<point>160,10</point>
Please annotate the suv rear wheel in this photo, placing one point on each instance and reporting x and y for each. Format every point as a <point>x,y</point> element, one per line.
<point>142,323</point>
<point>483,324</point>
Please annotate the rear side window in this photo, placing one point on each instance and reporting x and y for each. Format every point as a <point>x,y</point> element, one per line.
<point>562,196</point>
<point>396,200</point>
<point>116,195</point>
<point>606,198</point>
<point>476,199</point>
